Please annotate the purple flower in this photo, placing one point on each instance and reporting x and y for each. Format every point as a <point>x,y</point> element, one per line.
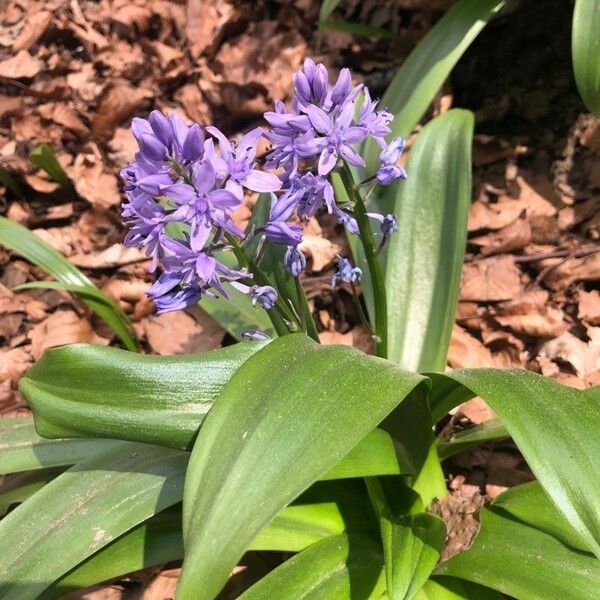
<point>388,224</point>
<point>264,295</point>
<point>280,232</point>
<point>389,171</point>
<point>179,178</point>
<point>237,160</point>
<point>256,335</point>
<point>294,261</point>
<point>345,272</point>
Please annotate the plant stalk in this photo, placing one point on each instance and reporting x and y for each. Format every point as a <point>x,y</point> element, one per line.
<point>375,270</point>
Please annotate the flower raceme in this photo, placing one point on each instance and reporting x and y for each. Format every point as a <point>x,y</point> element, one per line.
<point>186,181</point>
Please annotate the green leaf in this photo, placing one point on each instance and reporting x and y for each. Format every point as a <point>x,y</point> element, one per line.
<point>342,567</point>
<point>556,429</point>
<point>237,315</point>
<point>412,547</point>
<point>7,180</point>
<point>28,245</point>
<point>524,562</point>
<point>425,256</point>
<point>287,416</point>
<point>478,434</point>
<point>18,487</point>
<point>81,511</point>
<point>529,504</point>
<point>327,8</point>
<point>43,157</point>
<point>85,390</point>
<point>450,588</point>
<point>22,449</point>
<point>422,74</point>
<point>323,511</point>
<point>157,541</point>
<point>586,52</point>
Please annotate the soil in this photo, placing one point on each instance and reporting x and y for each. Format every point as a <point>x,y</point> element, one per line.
<point>73,74</point>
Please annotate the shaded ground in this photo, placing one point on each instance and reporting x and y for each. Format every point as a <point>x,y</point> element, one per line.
<point>72,74</point>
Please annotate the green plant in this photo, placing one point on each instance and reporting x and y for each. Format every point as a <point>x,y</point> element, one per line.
<point>287,445</point>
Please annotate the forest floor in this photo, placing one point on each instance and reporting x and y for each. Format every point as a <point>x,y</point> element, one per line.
<point>73,74</point>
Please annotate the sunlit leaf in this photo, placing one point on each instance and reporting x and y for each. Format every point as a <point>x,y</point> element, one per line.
<point>586,52</point>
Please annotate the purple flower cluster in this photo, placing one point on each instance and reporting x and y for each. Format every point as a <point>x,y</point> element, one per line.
<point>185,182</point>
<point>181,192</point>
<point>314,138</point>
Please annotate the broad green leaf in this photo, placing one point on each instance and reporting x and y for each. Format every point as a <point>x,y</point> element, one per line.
<point>43,157</point>
<point>422,74</point>
<point>556,429</point>
<point>524,562</point>
<point>84,390</point>
<point>323,511</point>
<point>450,588</point>
<point>529,504</point>
<point>478,434</point>
<point>97,391</point>
<point>343,567</point>
<point>16,488</point>
<point>586,52</point>
<point>22,449</point>
<point>412,547</point>
<point>157,541</point>
<point>28,245</point>
<point>81,511</point>
<point>424,258</point>
<point>287,416</point>
<point>412,539</point>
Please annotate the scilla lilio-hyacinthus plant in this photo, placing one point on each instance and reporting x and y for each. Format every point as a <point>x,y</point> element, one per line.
<point>323,454</point>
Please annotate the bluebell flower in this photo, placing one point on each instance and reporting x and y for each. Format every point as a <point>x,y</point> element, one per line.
<point>237,161</point>
<point>388,224</point>
<point>294,261</point>
<point>345,272</point>
<point>285,234</point>
<point>255,335</point>
<point>388,170</point>
<point>264,295</point>
<point>180,178</point>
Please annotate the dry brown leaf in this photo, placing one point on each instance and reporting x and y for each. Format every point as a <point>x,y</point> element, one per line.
<point>10,104</point>
<point>320,250</point>
<point>334,338</point>
<point>64,115</point>
<point>119,102</point>
<point>61,328</point>
<point>536,325</point>
<point>589,306</point>
<point>36,23</point>
<point>93,181</point>
<point>62,239</point>
<point>21,65</point>
<point>257,67</point>
<point>508,239</point>
<point>114,256</point>
<point>206,23</point>
<point>14,363</point>
<point>476,410</point>
<point>507,349</point>
<point>467,351</point>
<point>489,149</point>
<point>571,216</point>
<point>590,137</point>
<point>563,273</point>
<point>179,333</point>
<point>582,357</point>
<point>162,586</point>
<point>21,302</point>
<point>194,104</point>
<point>490,279</point>
<point>483,215</point>
<point>40,183</point>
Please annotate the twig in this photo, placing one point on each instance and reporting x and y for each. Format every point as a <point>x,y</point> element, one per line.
<point>565,253</point>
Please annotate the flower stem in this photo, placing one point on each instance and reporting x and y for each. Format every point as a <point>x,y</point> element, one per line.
<point>375,270</point>
<point>281,318</point>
